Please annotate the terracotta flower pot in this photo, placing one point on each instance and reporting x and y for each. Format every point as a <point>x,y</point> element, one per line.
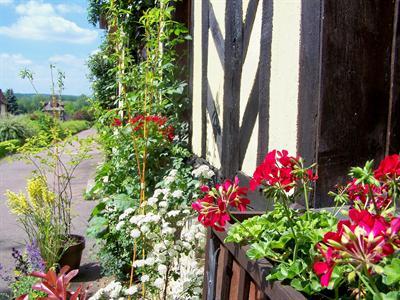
<point>73,254</point>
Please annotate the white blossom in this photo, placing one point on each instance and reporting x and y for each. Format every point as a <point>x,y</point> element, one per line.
<point>135,233</point>
<point>132,290</point>
<point>163,204</point>
<point>159,283</point>
<point>119,225</point>
<point>145,278</point>
<point>162,269</point>
<point>152,200</point>
<point>177,194</point>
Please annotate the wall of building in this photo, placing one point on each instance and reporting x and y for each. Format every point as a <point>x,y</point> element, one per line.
<point>268,78</point>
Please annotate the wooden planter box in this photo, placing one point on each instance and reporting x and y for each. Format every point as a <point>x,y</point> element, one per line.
<point>230,275</point>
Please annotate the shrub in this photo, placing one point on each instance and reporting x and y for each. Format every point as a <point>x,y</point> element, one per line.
<point>83,114</point>
<point>8,147</point>
<point>12,128</point>
<point>74,126</point>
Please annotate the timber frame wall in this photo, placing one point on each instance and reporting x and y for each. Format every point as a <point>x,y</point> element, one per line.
<point>317,77</point>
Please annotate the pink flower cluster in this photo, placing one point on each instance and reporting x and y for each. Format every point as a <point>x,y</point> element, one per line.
<point>363,240</point>
<point>214,207</point>
<point>278,169</point>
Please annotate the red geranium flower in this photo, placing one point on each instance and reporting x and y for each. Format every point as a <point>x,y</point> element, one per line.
<point>326,267</point>
<point>364,239</point>
<point>360,197</point>
<point>214,207</point>
<point>278,168</point>
<point>389,168</point>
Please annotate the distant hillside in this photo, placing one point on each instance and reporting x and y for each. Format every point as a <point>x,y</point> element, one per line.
<point>64,97</point>
<point>28,103</point>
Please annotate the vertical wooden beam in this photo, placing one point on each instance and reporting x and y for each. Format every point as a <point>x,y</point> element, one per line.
<point>204,78</point>
<point>232,79</point>
<point>309,81</point>
<point>264,78</point>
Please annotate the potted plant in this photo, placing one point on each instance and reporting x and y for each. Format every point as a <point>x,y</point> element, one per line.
<point>55,154</point>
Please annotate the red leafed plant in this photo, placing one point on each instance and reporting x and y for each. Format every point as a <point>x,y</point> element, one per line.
<point>56,285</point>
<point>214,207</point>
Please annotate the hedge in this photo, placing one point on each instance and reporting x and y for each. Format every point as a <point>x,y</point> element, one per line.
<point>9,147</point>
<point>74,126</point>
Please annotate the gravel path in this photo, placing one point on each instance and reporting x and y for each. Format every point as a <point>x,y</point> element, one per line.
<point>13,175</point>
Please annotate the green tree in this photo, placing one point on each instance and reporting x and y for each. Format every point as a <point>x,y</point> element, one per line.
<point>12,105</point>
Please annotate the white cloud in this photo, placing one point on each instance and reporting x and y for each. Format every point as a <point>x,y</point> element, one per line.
<point>74,67</point>
<point>17,59</point>
<point>39,21</point>
<point>5,2</point>
<point>67,59</point>
<point>70,8</point>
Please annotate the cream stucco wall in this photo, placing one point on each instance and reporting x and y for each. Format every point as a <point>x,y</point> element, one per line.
<point>283,83</point>
<point>197,108</point>
<point>247,81</point>
<point>284,75</point>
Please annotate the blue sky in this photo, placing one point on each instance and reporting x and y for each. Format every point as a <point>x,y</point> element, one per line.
<point>35,33</point>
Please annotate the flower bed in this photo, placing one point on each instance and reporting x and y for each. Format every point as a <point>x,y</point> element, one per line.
<point>311,250</point>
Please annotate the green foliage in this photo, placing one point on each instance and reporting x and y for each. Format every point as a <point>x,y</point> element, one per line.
<point>12,105</point>
<point>23,286</point>
<point>270,236</point>
<point>11,129</point>
<point>8,147</point>
<point>116,248</point>
<point>74,126</point>
<point>36,214</point>
<point>392,272</point>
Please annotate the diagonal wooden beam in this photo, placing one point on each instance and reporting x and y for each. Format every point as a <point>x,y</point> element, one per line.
<point>216,34</point>
<point>215,121</point>
<point>248,25</point>
<point>249,118</point>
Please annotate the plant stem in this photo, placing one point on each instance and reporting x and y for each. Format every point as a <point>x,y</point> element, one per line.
<point>287,211</point>
<point>306,198</point>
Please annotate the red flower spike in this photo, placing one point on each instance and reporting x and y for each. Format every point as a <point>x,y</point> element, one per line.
<point>159,122</point>
<point>116,122</point>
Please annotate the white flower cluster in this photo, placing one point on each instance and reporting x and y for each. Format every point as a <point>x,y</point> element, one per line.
<point>203,171</point>
<point>113,291</point>
<point>173,239</point>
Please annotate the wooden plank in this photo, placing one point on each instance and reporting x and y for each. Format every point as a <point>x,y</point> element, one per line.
<point>393,127</point>
<point>258,270</point>
<point>204,68</point>
<point>224,273</point>
<point>355,79</point>
<point>309,82</point>
<point>264,79</point>
<point>233,72</point>
<point>244,285</point>
<point>234,285</point>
